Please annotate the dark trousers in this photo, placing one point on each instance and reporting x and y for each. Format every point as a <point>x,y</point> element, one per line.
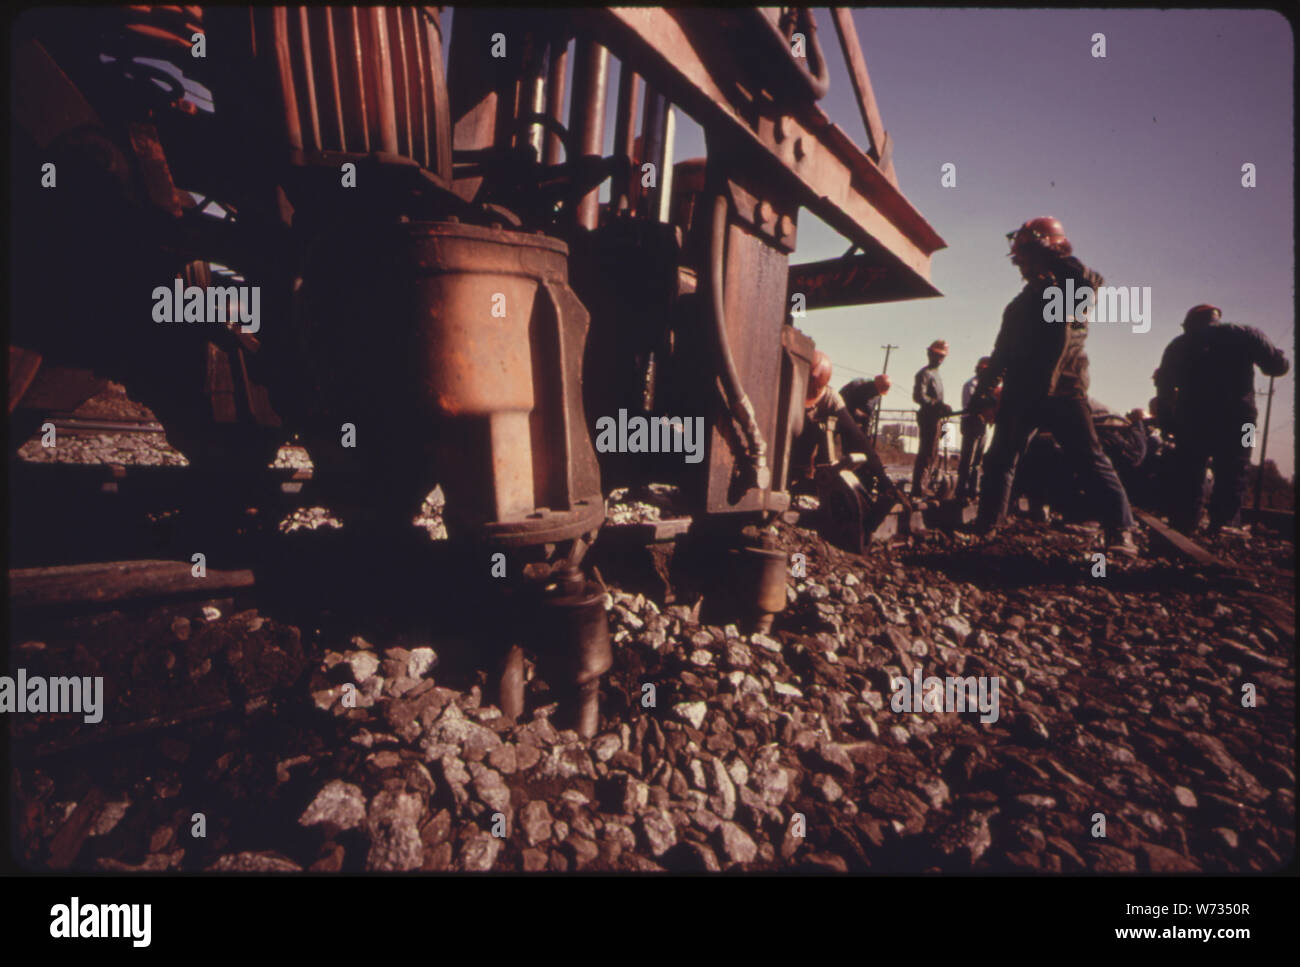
<point>972,452</point>
<point>1069,420</point>
<point>927,453</point>
<point>1221,444</point>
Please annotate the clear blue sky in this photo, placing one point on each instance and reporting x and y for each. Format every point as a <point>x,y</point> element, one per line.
<point>1139,154</point>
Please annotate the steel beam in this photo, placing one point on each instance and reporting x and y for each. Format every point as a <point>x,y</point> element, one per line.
<point>804,154</point>
<point>857,65</point>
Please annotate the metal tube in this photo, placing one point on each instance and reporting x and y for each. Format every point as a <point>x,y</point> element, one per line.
<point>765,567</point>
<point>536,103</point>
<point>421,110</point>
<point>816,80</point>
<point>404,72</point>
<point>380,61</point>
<point>666,176</point>
<point>313,112</point>
<point>879,405</point>
<point>510,685</point>
<point>587,119</point>
<point>624,135</point>
<point>654,115</point>
<point>529,98</point>
<point>355,47</point>
<point>280,33</point>
<point>1263,447</point>
<point>440,150</point>
<point>334,76</point>
<point>555,97</point>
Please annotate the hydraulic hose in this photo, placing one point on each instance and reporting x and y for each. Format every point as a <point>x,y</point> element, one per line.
<point>817,79</point>
<point>737,399</point>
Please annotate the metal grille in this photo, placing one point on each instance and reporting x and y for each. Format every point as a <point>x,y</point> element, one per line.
<point>364,80</point>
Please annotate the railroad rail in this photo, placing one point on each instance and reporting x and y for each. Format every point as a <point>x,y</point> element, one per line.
<point>75,425</point>
<point>1279,613</point>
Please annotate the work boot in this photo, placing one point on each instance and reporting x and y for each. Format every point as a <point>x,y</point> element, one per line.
<point>1121,542</point>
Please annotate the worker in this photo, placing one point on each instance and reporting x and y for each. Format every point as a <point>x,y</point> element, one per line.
<point>863,396</point>
<point>810,447</point>
<point>1124,441</point>
<point>927,393</point>
<point>825,411</point>
<point>1142,483</point>
<point>1150,431</point>
<point>977,414</point>
<point>1206,391</point>
<point>1045,386</point>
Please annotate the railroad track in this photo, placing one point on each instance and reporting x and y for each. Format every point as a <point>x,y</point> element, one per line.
<point>43,599</point>
<point>79,426</point>
<point>65,591</point>
<point>1279,613</point>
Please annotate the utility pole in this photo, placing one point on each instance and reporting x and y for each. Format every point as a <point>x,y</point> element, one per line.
<point>1263,446</point>
<point>887,349</point>
<point>875,428</point>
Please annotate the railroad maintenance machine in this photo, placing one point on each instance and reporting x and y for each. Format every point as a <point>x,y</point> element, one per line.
<point>402,261</point>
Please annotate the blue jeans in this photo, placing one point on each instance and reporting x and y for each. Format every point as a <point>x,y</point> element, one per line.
<point>1069,420</point>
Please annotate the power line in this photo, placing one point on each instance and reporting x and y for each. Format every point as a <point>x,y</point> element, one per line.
<point>860,372</point>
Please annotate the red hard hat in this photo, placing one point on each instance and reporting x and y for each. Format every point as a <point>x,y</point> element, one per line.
<point>1045,230</point>
<point>819,377</point>
<point>1202,315</point>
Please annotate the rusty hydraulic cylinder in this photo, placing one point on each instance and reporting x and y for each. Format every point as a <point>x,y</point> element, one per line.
<point>480,351</point>
<point>766,567</point>
<point>510,696</point>
<point>575,644</point>
<point>500,347</point>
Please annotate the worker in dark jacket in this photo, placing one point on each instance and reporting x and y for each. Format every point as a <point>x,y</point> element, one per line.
<point>927,394</point>
<point>1206,389</point>
<point>863,396</point>
<point>1045,384</point>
